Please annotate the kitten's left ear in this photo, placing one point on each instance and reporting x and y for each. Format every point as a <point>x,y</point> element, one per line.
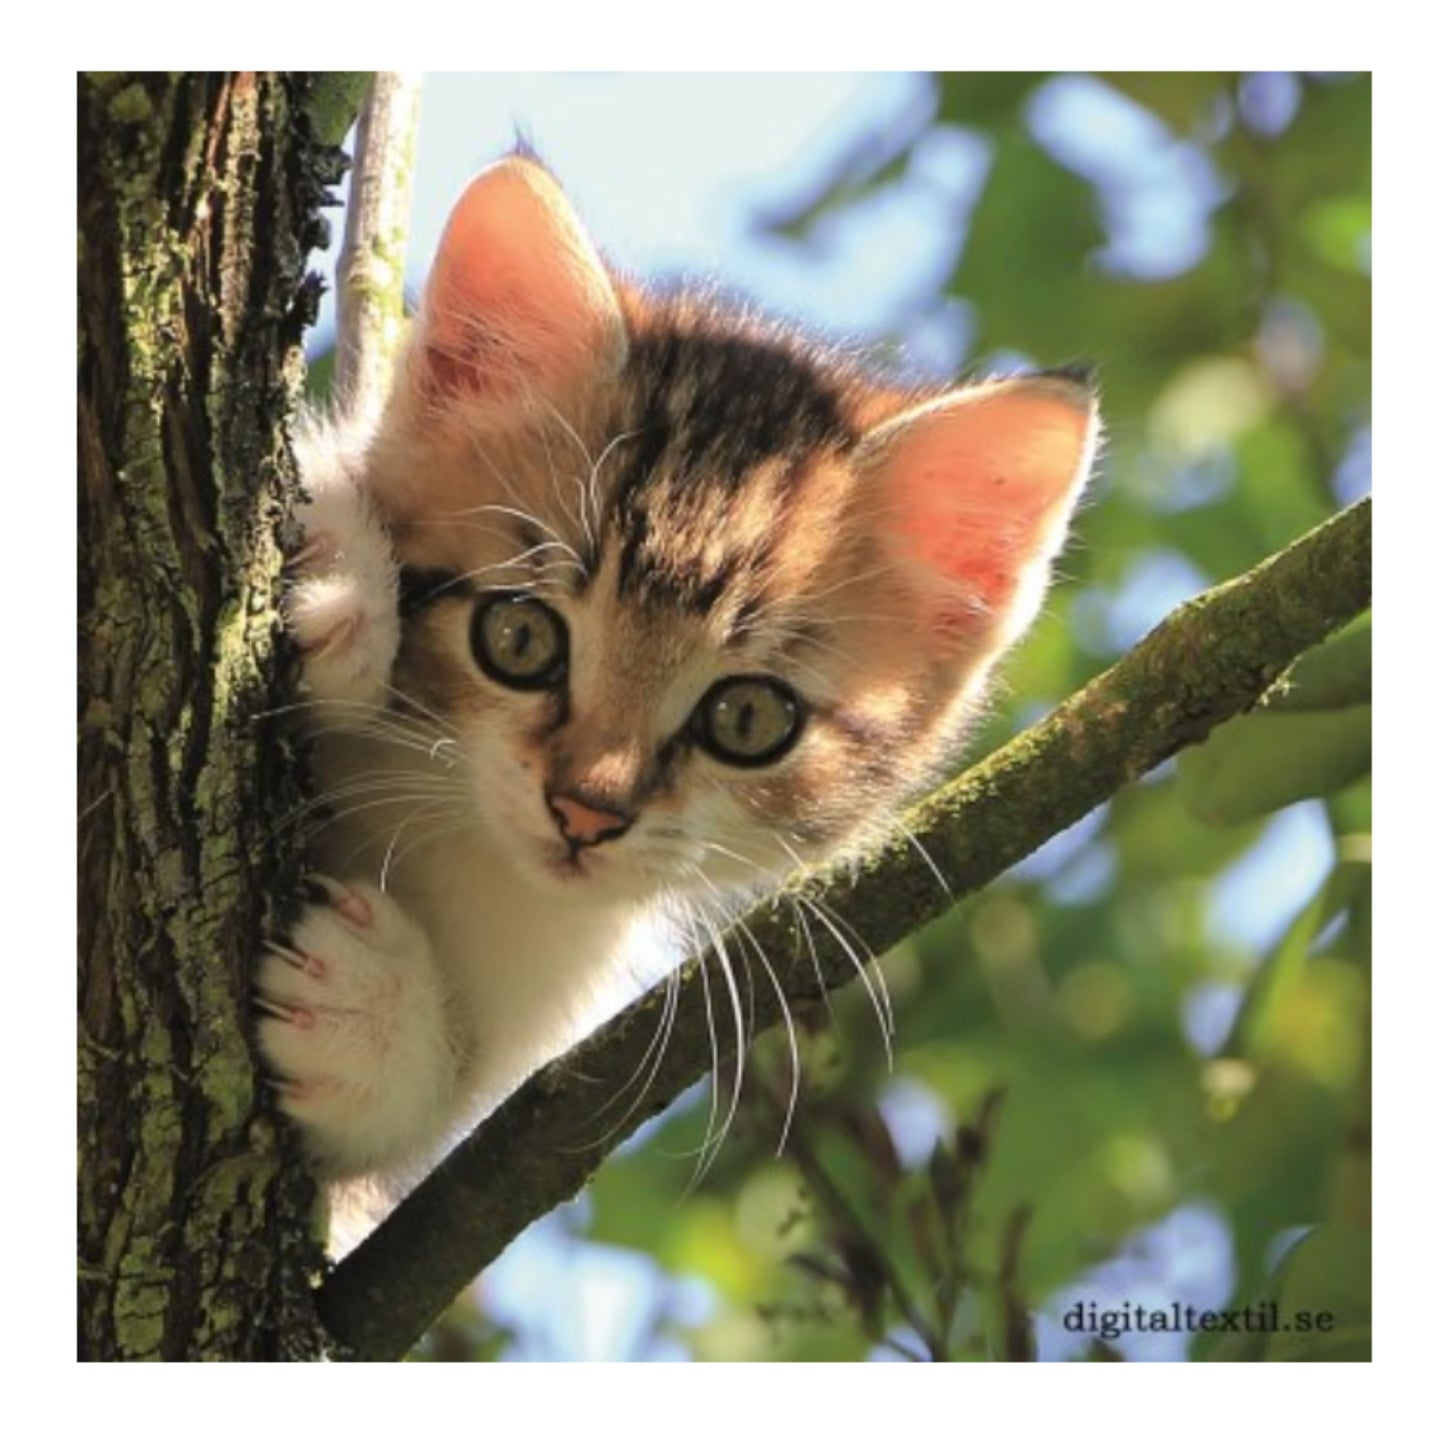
<point>977,488</point>
<point>518,299</point>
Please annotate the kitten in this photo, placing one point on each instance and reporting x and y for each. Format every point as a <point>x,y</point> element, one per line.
<point>621,600</point>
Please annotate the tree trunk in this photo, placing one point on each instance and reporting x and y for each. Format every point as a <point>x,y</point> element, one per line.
<point>198,197</point>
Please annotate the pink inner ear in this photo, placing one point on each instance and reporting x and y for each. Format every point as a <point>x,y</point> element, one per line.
<point>982,485</point>
<point>517,296</point>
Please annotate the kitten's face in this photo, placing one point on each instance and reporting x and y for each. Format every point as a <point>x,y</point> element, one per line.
<point>697,604</point>
<point>694,659</point>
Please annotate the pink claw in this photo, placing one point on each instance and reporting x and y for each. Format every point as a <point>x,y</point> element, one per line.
<point>351,906</point>
<point>287,1013</point>
<point>308,963</point>
<point>357,909</point>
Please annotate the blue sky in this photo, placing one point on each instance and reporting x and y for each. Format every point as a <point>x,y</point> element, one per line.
<point>673,175</point>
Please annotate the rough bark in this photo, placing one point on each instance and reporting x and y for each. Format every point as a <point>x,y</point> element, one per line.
<point>197,203</point>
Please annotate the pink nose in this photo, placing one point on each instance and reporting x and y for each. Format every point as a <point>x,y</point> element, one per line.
<point>583,823</point>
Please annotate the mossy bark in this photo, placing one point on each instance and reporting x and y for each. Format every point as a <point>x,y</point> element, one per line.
<point>197,204</point>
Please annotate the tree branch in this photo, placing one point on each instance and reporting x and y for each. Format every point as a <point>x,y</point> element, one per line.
<point>372,268</point>
<point>1209,660</point>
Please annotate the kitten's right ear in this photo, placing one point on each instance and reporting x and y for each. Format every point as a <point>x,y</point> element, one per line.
<point>518,300</point>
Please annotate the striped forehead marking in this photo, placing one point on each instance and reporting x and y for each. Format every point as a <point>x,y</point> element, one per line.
<point>706,411</point>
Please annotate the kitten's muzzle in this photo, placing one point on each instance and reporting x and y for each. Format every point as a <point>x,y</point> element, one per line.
<point>585,822</point>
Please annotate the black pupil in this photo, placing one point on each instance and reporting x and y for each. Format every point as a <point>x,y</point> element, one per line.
<point>750,720</point>
<point>743,723</point>
<point>520,639</point>
<point>524,639</point>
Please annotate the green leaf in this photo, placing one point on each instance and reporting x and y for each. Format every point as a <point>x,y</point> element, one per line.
<point>1334,675</point>
<point>1181,99</point>
<point>1325,151</point>
<point>1280,490</point>
<point>1262,1014</point>
<point>1258,763</point>
<point>1339,230</point>
<point>319,372</point>
<point>985,97</point>
<point>1324,1300</point>
<point>335,101</point>
<point>1037,219</point>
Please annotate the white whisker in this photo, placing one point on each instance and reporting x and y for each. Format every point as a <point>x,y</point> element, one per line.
<point>713,1142</point>
<point>392,857</point>
<point>923,853</point>
<point>796,1074</point>
<point>878,996</point>
<point>532,520</point>
<point>593,476</point>
<point>699,952</point>
<point>650,1063</point>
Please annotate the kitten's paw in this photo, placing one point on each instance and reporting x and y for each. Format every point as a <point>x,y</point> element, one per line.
<point>353,1027</point>
<point>341,605</point>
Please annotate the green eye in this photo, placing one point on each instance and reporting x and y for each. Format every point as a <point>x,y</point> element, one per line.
<point>748,721</point>
<point>519,641</point>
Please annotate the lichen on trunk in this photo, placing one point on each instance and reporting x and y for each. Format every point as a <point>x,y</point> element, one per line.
<point>198,199</point>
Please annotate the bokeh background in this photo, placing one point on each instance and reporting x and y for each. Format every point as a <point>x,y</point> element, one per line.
<point>1135,1071</point>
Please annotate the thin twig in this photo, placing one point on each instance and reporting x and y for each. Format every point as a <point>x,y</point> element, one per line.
<point>837,1203</point>
<point>371,271</point>
<point>1209,660</point>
